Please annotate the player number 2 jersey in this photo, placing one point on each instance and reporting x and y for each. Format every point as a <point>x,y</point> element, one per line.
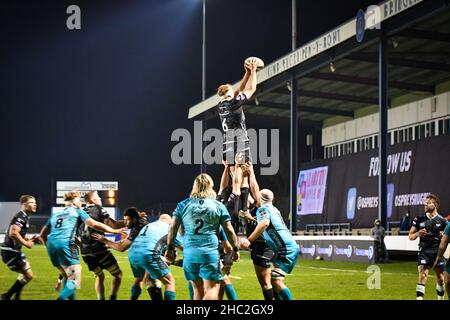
<point>201,219</point>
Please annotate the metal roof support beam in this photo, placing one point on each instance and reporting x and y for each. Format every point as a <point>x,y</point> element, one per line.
<point>337,96</point>
<point>309,109</point>
<point>331,96</point>
<point>370,82</point>
<point>294,154</point>
<point>423,34</point>
<point>294,129</point>
<point>370,57</point>
<point>383,130</point>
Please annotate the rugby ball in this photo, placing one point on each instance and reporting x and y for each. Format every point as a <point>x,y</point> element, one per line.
<point>259,62</point>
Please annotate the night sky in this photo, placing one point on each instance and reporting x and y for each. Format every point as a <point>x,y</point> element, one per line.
<point>101,103</point>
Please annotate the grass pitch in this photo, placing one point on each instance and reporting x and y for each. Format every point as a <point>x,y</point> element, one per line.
<point>310,280</point>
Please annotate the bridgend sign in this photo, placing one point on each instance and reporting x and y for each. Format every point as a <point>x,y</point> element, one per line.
<point>373,17</point>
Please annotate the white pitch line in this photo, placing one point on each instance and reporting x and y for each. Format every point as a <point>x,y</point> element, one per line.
<point>356,271</point>
<point>235,277</point>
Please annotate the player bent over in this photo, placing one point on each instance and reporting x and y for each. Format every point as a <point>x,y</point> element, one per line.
<point>11,249</point>
<point>277,235</point>
<point>59,237</point>
<point>146,244</point>
<point>201,215</point>
<point>428,227</point>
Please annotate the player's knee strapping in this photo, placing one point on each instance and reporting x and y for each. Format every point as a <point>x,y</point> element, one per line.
<point>277,273</point>
<point>115,271</point>
<point>22,279</point>
<point>98,272</point>
<point>74,274</point>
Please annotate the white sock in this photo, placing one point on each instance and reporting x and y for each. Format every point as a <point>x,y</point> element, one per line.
<point>420,291</point>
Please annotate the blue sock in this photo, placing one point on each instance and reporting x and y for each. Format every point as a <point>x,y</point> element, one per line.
<point>191,290</point>
<point>169,295</point>
<point>285,294</point>
<point>135,291</point>
<point>73,296</point>
<point>68,290</point>
<point>230,292</point>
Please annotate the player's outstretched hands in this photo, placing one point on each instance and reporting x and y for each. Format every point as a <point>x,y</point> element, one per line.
<point>253,65</point>
<point>422,232</point>
<point>247,66</point>
<point>238,158</point>
<point>248,166</point>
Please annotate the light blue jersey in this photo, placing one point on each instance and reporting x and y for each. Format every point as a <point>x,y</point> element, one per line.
<point>278,238</point>
<point>61,246</point>
<point>63,225</point>
<point>152,239</point>
<point>201,219</point>
<point>147,248</point>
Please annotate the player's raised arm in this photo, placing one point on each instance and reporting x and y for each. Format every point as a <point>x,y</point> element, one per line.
<point>224,180</point>
<point>250,86</point>
<point>243,83</point>
<point>254,186</point>
<point>170,252</point>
